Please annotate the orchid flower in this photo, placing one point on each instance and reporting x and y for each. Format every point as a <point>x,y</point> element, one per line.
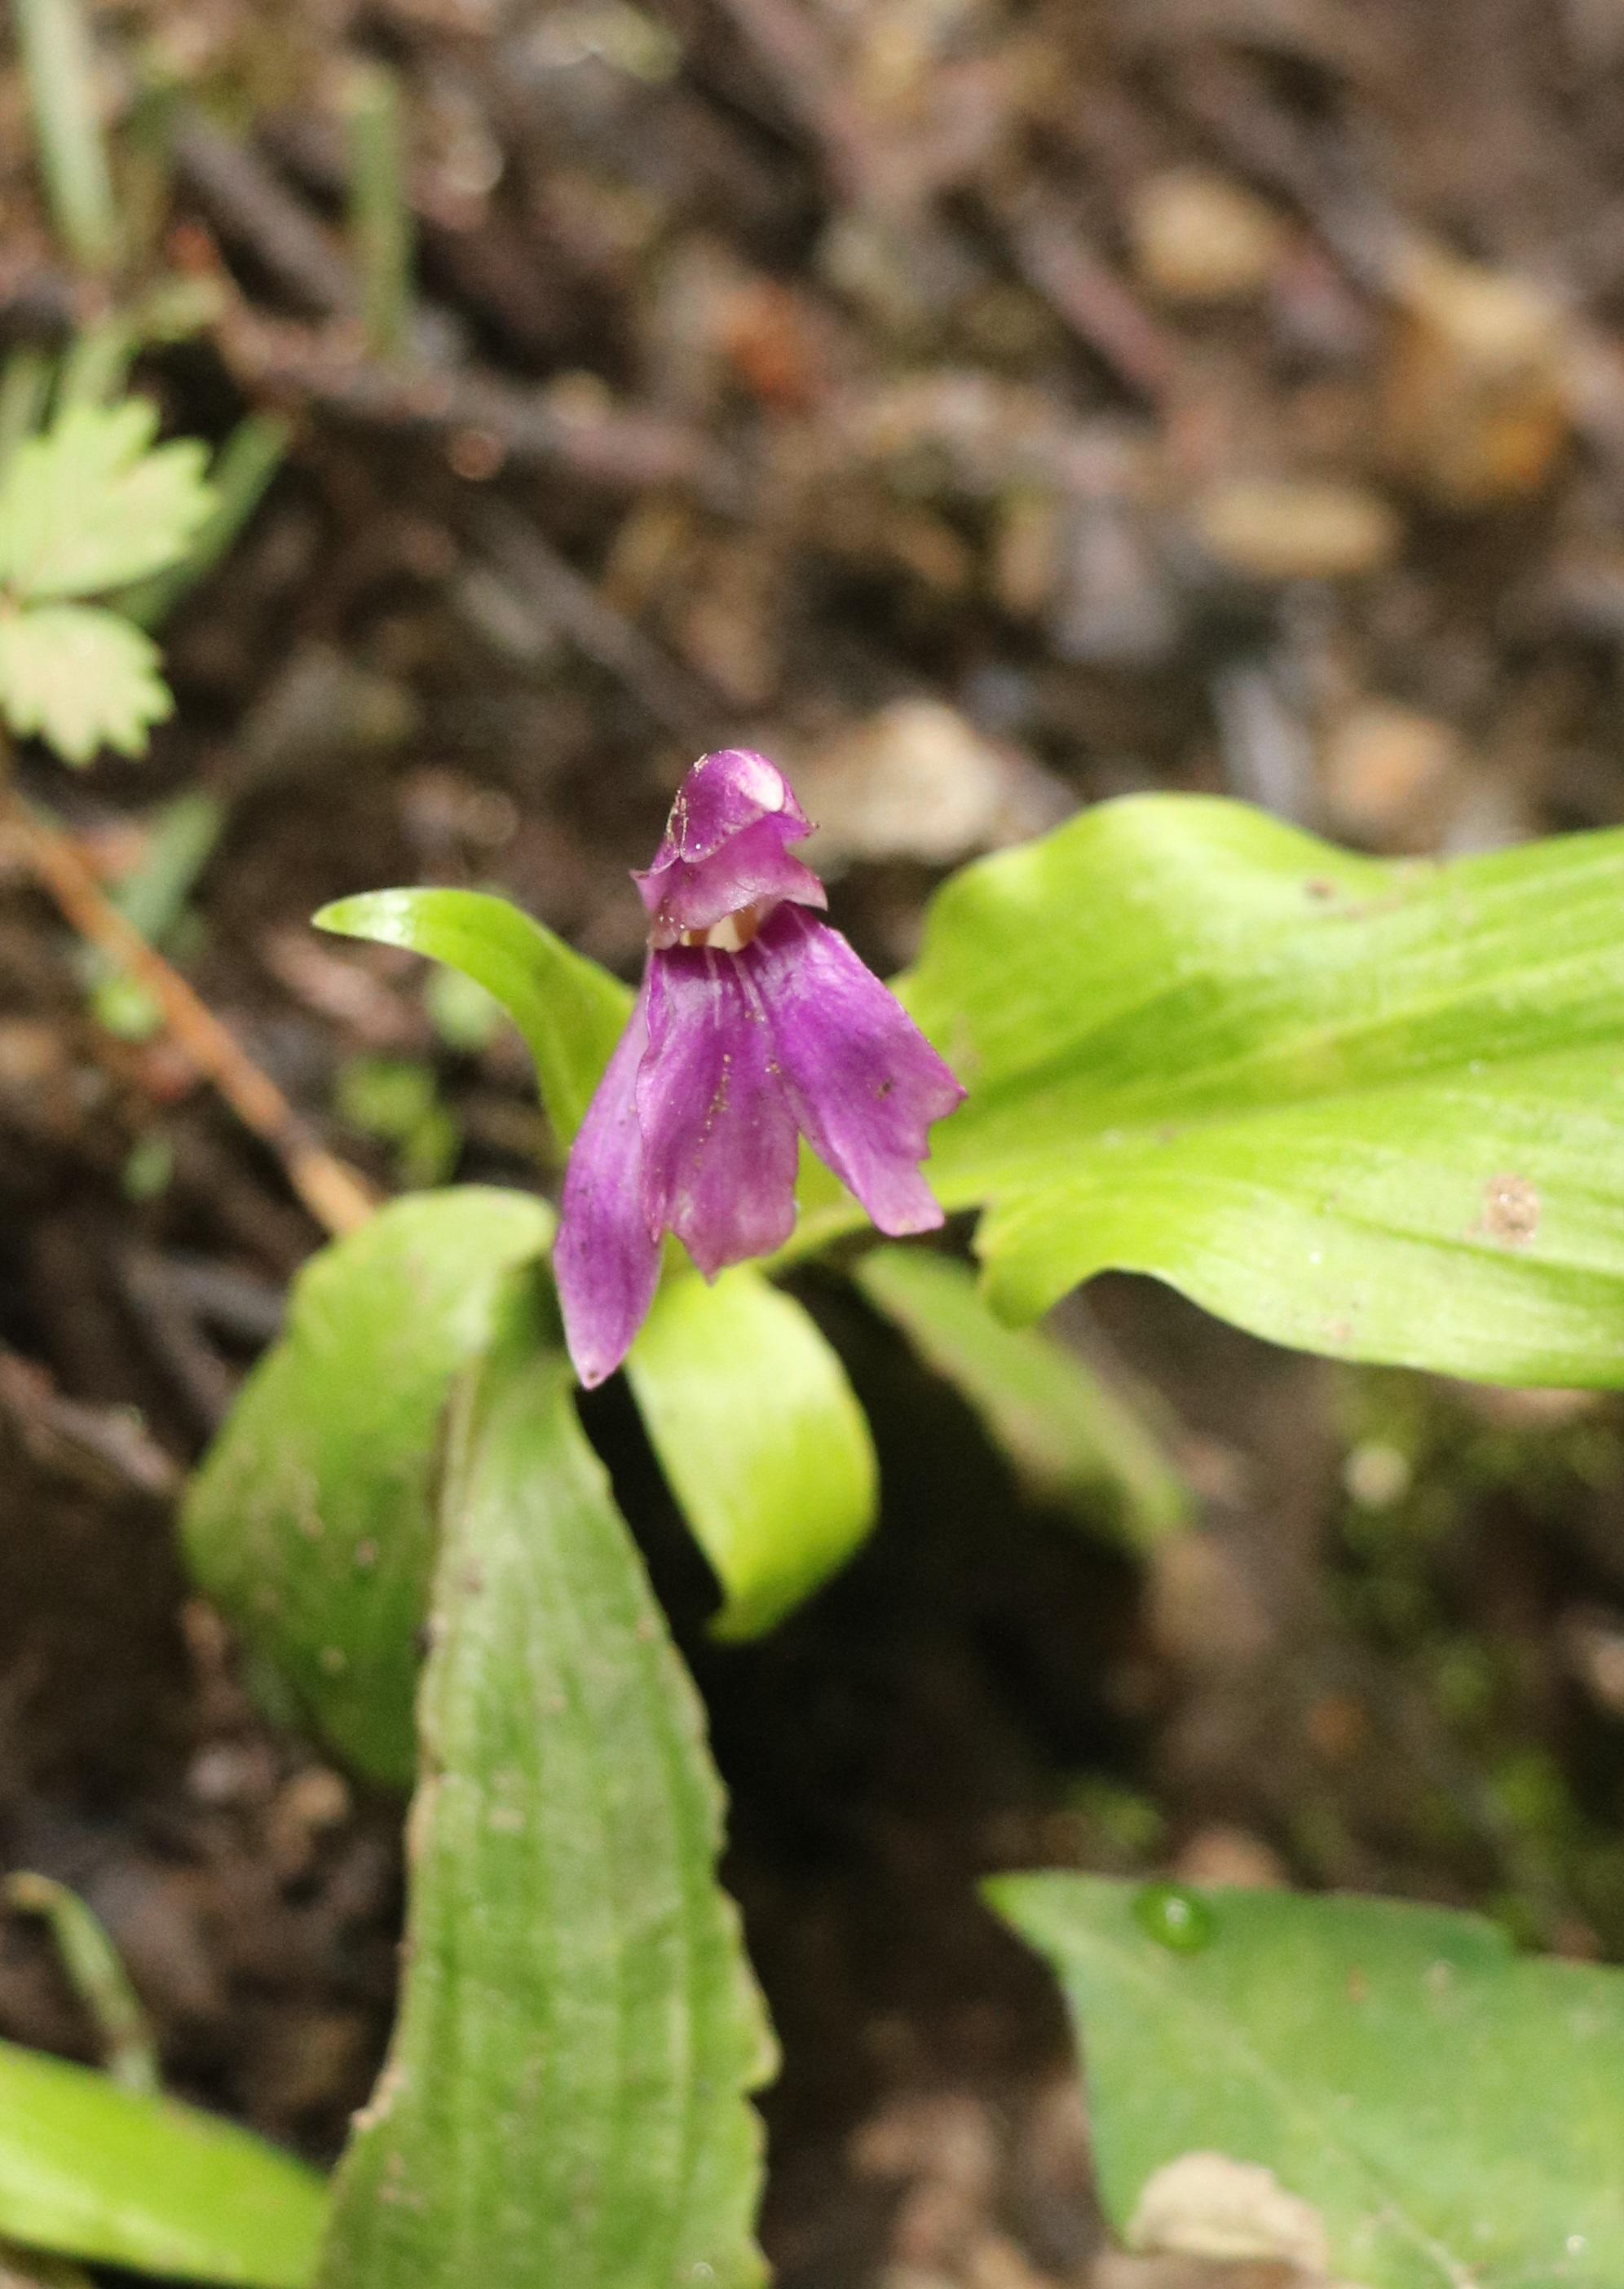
<point>756,1025</point>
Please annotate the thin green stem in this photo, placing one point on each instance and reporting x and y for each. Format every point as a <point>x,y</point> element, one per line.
<point>241,469</point>
<point>96,366</point>
<point>96,1975</point>
<point>25,387</point>
<point>381,232</point>
<point>59,67</point>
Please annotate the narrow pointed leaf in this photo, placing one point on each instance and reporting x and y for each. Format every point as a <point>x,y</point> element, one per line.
<point>1363,1108</point>
<point>1453,2113</point>
<point>92,2170</point>
<point>94,1970</point>
<point>311,1522</point>
<point>761,1437</point>
<point>570,1011</point>
<point>1069,1435</point>
<point>565,2100</point>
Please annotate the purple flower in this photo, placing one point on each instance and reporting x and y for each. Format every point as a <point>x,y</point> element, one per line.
<point>756,1025</point>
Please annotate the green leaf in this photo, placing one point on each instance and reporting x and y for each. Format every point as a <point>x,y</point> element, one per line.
<point>95,2171</point>
<point>1362,1108</point>
<point>81,679</point>
<point>1070,1437</point>
<point>761,1436</point>
<point>91,503</point>
<point>570,1012</point>
<point>1453,2113</point>
<point>564,2096</point>
<point>311,1521</point>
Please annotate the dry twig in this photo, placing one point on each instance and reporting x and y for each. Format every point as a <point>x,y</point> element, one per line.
<point>618,449</point>
<point>335,1196</point>
<point>245,200</point>
<point>674,695</point>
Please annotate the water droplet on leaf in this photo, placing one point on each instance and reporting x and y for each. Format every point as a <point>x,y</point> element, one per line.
<point>1174,1917</point>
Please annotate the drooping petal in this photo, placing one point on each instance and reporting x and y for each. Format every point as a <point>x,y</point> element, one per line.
<point>863,1083</point>
<point>718,1136</point>
<point>604,1259</point>
<point>725,845</point>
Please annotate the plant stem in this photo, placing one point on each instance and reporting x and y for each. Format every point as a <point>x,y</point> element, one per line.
<point>59,65</point>
<point>25,385</point>
<point>96,364</point>
<point>335,1194</point>
<point>380,221</point>
<point>96,1974</point>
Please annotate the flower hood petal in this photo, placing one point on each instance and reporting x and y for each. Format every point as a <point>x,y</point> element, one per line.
<point>725,846</point>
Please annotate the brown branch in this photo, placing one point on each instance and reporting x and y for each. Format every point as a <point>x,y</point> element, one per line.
<point>791,46</point>
<point>244,199</point>
<point>101,1442</point>
<point>1088,296</point>
<point>674,695</point>
<point>619,450</point>
<point>335,1196</point>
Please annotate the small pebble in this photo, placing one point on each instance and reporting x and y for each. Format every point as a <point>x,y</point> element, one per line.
<point>1384,768</point>
<point>1197,238</point>
<point>1275,529</point>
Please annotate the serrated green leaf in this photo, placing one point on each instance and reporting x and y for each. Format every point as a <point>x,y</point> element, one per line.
<point>762,1439</point>
<point>570,1011</point>
<point>95,2171</point>
<point>565,2100</point>
<point>311,1521</point>
<point>81,679</point>
<point>1070,1437</point>
<point>1362,1108</point>
<point>1453,2113</point>
<point>91,503</point>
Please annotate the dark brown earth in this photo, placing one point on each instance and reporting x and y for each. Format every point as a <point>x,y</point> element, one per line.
<point>906,386</point>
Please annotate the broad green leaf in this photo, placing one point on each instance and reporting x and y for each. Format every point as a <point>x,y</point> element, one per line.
<point>1071,1439</point>
<point>92,2170</point>
<point>80,679</point>
<point>570,1012</point>
<point>565,2100</point>
<point>311,1521</point>
<point>91,503</point>
<point>1453,2113</point>
<point>761,1436</point>
<point>1363,1108</point>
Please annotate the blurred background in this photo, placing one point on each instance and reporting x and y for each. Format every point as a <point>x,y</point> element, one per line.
<point>986,409</point>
